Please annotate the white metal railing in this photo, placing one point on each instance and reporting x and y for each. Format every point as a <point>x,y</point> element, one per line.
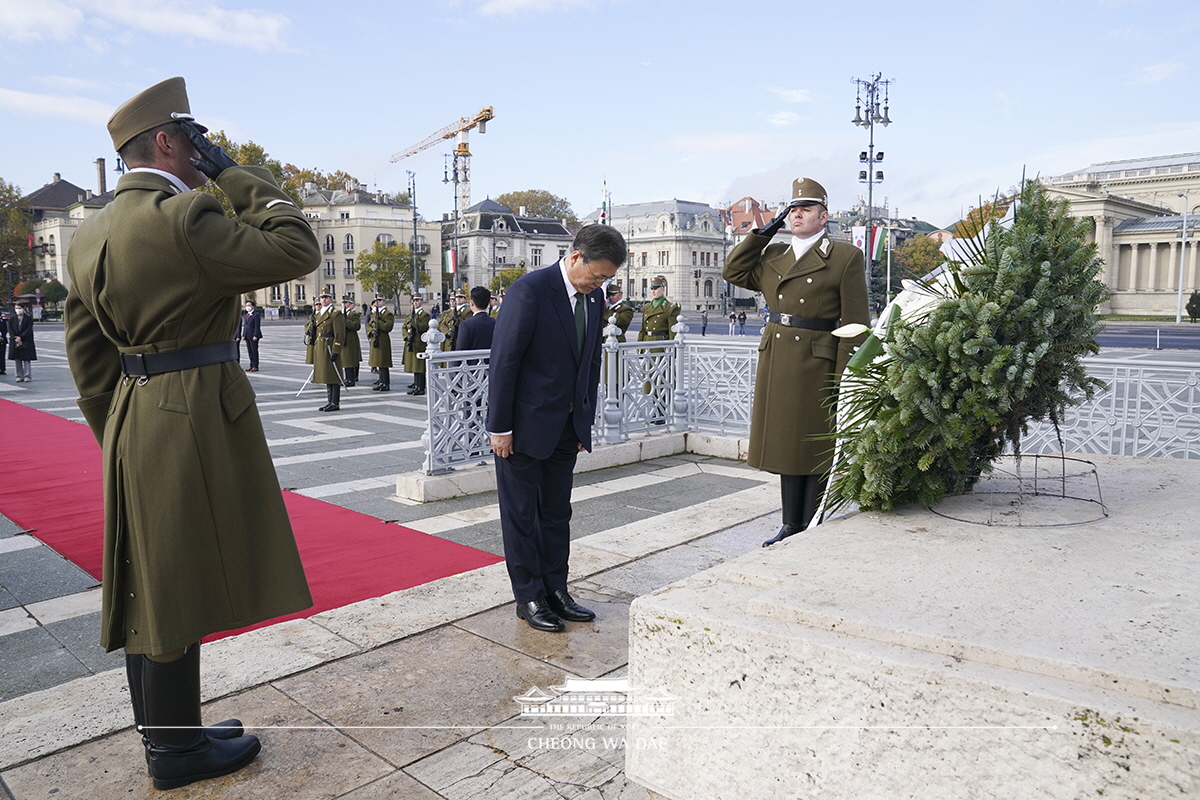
<point>1151,408</point>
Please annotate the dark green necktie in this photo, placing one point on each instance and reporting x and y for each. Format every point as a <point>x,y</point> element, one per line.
<point>580,319</point>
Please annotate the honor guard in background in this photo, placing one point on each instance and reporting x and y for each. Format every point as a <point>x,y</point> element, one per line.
<point>310,337</point>
<point>331,337</point>
<point>451,318</point>
<point>196,535</point>
<point>494,306</point>
<point>813,285</point>
<point>617,307</point>
<point>351,350</point>
<point>659,315</point>
<point>379,337</point>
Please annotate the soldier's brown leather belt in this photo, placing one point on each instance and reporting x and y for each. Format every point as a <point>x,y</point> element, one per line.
<point>804,322</point>
<point>202,355</point>
<point>657,335</point>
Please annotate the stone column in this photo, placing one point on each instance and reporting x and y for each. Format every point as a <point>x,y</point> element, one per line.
<point>1134,254</point>
<point>1152,270</point>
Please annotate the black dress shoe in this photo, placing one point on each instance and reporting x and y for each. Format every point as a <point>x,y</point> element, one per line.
<point>539,616</point>
<point>784,532</point>
<point>566,608</point>
<point>204,758</point>
<point>324,407</point>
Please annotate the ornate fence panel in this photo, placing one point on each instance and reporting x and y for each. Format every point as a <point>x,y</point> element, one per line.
<point>456,397</point>
<point>1151,408</point>
<point>720,386</point>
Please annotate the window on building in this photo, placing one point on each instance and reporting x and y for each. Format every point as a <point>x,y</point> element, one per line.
<point>329,246</point>
<point>349,293</point>
<point>330,269</point>
<point>349,245</point>
<point>694,255</point>
<point>349,268</point>
<point>562,252</point>
<point>344,215</point>
<point>535,254</point>
<point>299,293</point>
<point>664,258</point>
<point>386,239</point>
<point>645,286</point>
<point>708,288</point>
<point>644,257</point>
<point>330,288</point>
<point>277,294</point>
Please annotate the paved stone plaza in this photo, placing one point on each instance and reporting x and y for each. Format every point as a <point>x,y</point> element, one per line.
<point>405,696</point>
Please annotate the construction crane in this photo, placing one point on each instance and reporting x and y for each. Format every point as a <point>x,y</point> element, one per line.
<point>462,153</point>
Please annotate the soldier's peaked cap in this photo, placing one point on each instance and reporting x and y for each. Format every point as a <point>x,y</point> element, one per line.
<point>807,192</point>
<point>161,103</point>
<point>613,289</point>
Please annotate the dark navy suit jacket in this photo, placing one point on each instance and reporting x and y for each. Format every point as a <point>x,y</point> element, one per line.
<point>475,332</point>
<point>537,375</point>
<point>250,326</point>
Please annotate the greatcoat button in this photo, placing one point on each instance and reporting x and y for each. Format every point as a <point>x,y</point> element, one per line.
<point>801,299</point>
<point>780,297</point>
<point>810,280</point>
<point>777,336</point>
<point>797,338</point>
<point>131,594</point>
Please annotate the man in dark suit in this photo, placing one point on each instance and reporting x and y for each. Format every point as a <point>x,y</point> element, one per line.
<point>545,368</point>
<point>250,330</point>
<point>475,332</point>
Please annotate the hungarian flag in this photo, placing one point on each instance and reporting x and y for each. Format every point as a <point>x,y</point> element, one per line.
<point>879,243</point>
<point>451,262</point>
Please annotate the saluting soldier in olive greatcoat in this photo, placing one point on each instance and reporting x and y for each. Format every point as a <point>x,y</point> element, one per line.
<point>379,336</point>
<point>351,350</point>
<point>196,536</point>
<point>415,325</point>
<point>331,337</point>
<point>813,286</point>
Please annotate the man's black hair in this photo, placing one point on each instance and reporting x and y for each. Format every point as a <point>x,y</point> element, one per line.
<point>600,243</point>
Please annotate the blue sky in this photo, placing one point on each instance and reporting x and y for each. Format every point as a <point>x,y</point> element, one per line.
<point>700,100</point>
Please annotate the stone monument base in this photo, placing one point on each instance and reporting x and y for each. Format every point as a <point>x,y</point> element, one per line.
<point>909,655</point>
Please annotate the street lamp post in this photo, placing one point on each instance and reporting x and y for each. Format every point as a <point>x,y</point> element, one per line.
<point>1182,258</point>
<point>412,198</point>
<point>872,88</point>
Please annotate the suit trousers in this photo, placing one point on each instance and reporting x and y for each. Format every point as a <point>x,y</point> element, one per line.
<point>252,352</point>
<point>535,516</point>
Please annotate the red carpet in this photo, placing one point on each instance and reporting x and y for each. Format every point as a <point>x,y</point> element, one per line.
<point>51,481</point>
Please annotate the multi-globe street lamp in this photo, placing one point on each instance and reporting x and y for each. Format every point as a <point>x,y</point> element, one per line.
<point>871,96</point>
<point>1182,257</point>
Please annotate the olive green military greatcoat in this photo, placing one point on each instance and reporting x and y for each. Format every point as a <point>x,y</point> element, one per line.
<point>327,352</point>
<point>415,325</point>
<point>448,324</point>
<point>624,314</point>
<point>798,367</point>
<point>196,535</point>
<point>352,349</point>
<point>658,319</point>
<point>379,334</point>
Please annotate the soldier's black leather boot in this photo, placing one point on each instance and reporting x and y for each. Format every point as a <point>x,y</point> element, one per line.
<point>178,751</point>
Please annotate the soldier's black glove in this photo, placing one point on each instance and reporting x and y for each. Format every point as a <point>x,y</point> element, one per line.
<point>777,223</point>
<point>213,159</point>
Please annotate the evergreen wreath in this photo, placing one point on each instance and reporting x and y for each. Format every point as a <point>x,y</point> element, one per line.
<point>924,412</point>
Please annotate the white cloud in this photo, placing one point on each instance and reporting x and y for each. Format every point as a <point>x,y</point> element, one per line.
<point>791,95</point>
<point>260,30</point>
<point>47,20</point>
<point>499,8</point>
<point>782,119</point>
<point>1156,73</point>
<point>74,108</point>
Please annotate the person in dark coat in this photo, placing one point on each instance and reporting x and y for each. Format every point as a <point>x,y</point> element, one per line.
<point>20,342</point>
<point>542,385</point>
<point>3,343</point>
<point>475,332</point>
<point>250,331</point>
<point>814,285</point>
<point>196,535</point>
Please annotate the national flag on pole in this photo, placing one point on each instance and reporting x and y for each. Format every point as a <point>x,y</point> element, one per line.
<point>451,262</point>
<point>880,242</point>
<point>604,204</point>
<point>859,234</point>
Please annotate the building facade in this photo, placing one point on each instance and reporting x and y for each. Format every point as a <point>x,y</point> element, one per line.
<point>681,240</point>
<point>491,238</point>
<point>1136,207</point>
